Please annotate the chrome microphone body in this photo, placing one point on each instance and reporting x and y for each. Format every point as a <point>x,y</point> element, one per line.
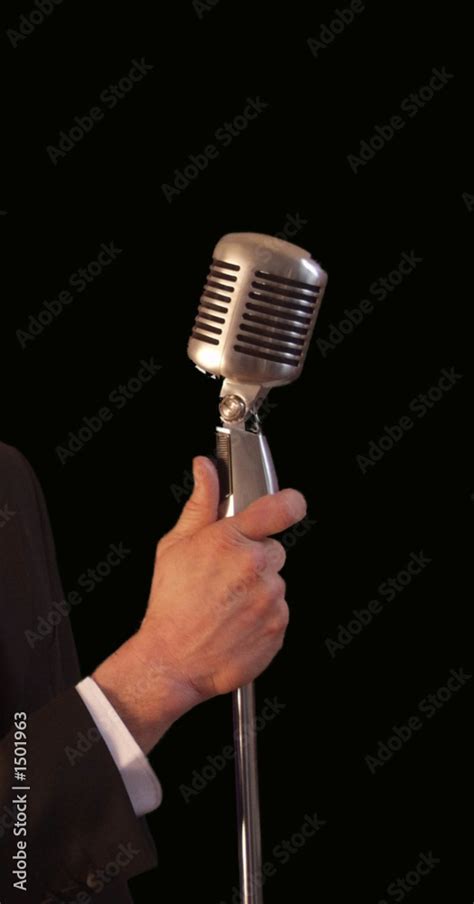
<point>255,319</point>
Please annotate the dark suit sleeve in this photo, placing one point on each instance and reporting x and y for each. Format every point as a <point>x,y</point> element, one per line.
<point>83,835</point>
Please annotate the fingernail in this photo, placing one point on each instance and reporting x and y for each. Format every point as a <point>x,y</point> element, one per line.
<point>197,473</point>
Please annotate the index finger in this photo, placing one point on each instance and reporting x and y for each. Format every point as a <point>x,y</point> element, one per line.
<point>270,514</point>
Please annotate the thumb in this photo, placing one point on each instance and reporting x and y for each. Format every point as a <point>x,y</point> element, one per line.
<point>201,508</point>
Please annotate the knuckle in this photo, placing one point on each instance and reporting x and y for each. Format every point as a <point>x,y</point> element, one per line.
<point>262,603</point>
<point>253,559</point>
<point>284,613</point>
<point>270,591</point>
<point>278,585</point>
<point>226,537</point>
<point>276,554</point>
<point>277,625</point>
<point>234,592</point>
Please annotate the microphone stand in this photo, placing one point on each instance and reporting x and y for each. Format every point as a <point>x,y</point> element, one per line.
<point>246,472</point>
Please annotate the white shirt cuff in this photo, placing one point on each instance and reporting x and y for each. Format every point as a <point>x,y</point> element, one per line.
<point>142,785</point>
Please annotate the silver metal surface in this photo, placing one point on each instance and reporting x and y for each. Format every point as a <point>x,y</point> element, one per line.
<point>256,316</point>
<point>257,311</point>
<point>247,798</point>
<point>250,473</point>
<point>232,407</point>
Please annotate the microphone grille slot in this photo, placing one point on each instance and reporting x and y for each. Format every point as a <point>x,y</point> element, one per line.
<point>285,281</point>
<point>225,265</point>
<point>277,318</point>
<point>277,359</point>
<point>219,286</point>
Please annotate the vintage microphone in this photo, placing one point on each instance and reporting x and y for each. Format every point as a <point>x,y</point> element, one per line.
<point>255,319</point>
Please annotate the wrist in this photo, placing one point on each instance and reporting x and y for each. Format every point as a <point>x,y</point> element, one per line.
<point>143,688</point>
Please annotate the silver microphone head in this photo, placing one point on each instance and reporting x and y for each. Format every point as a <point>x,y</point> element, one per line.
<point>258,310</point>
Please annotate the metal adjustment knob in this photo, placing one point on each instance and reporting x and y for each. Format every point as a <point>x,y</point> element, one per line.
<point>232,408</point>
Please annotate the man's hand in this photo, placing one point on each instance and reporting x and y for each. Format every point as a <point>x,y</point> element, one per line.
<point>216,615</point>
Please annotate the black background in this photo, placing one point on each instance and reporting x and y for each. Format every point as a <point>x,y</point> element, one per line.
<point>124,484</point>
